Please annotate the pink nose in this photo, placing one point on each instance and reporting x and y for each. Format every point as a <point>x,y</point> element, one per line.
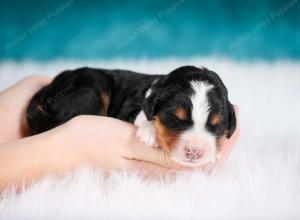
<point>193,153</point>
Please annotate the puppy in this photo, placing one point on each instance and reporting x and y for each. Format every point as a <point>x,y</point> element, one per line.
<point>186,112</point>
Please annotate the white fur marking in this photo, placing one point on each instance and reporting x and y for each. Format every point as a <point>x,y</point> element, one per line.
<point>200,113</point>
<point>146,130</point>
<point>200,103</point>
<point>149,91</point>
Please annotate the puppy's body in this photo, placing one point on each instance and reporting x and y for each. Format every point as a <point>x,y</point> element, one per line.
<point>113,93</point>
<point>185,112</point>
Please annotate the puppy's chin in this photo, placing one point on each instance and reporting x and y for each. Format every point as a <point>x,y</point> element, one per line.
<point>194,163</point>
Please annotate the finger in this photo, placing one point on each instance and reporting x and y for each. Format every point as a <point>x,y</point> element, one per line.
<point>149,170</point>
<point>35,82</point>
<point>139,151</point>
<point>228,144</point>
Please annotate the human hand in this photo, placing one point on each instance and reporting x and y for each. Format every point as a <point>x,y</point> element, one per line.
<point>103,142</point>
<point>13,104</point>
<point>159,157</point>
<point>111,144</point>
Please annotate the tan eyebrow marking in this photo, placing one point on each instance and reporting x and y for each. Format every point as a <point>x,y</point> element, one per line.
<point>215,119</point>
<point>181,113</point>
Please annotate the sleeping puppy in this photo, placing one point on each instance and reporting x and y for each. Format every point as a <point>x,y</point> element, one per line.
<point>186,112</point>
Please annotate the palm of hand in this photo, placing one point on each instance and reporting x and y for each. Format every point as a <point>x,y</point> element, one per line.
<point>13,104</point>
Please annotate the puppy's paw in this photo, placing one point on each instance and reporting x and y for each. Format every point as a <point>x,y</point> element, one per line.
<point>146,134</point>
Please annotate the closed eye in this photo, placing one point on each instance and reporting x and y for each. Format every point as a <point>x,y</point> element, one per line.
<point>174,117</point>
<point>175,121</point>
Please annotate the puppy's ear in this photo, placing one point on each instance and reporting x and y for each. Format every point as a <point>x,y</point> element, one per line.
<point>150,105</point>
<point>231,120</point>
<point>157,98</point>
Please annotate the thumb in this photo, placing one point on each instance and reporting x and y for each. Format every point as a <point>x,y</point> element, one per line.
<point>140,151</point>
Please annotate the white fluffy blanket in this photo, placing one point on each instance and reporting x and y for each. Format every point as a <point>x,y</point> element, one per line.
<point>261,179</point>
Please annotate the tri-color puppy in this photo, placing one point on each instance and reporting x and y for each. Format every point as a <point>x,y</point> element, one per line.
<point>186,112</point>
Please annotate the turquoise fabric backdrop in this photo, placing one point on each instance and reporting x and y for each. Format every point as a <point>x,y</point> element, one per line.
<point>74,29</point>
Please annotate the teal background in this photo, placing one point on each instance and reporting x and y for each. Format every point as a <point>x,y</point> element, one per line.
<point>243,30</point>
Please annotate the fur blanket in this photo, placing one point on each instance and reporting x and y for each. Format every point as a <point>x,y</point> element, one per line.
<point>260,180</point>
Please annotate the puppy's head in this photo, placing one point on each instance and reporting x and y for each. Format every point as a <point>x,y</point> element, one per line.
<point>191,113</point>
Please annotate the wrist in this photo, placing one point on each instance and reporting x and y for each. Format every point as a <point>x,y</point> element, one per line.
<point>26,160</point>
<point>52,153</point>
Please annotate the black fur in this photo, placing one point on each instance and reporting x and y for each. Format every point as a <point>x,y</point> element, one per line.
<point>173,91</point>
<point>80,91</point>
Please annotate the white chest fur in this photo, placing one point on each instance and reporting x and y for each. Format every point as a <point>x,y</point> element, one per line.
<point>146,130</point>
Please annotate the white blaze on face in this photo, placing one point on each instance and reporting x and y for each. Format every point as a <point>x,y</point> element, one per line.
<point>197,137</point>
